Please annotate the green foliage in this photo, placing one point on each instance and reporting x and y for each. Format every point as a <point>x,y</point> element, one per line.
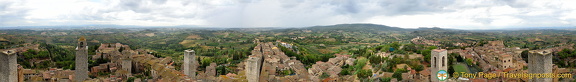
<point>386,79</point>
<point>360,62</point>
<point>324,75</point>
<point>469,61</point>
<point>398,74</point>
<point>345,70</point>
<point>375,59</point>
<point>286,72</point>
<point>130,79</point>
<point>524,55</point>
<point>223,70</point>
<point>205,62</point>
<point>419,67</point>
<point>364,73</point>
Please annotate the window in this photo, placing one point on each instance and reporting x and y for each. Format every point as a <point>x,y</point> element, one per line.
<point>434,62</point>
<point>81,44</point>
<point>443,59</point>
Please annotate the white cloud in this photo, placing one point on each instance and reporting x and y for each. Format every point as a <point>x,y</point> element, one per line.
<point>461,14</point>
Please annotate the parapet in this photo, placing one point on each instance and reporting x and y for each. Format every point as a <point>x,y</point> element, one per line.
<point>8,52</point>
<point>189,51</point>
<point>439,50</point>
<point>541,52</point>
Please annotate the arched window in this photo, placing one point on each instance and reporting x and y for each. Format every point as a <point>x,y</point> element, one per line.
<point>81,44</point>
<point>434,62</point>
<point>443,59</point>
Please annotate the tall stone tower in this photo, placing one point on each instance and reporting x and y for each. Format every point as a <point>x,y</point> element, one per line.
<point>190,63</point>
<point>8,66</point>
<point>81,71</point>
<point>127,60</point>
<point>439,61</point>
<point>540,61</point>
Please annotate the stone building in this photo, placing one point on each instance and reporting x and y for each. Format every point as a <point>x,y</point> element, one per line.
<point>211,70</point>
<point>8,66</point>
<point>81,73</point>
<point>540,61</point>
<point>505,62</point>
<point>190,63</point>
<point>253,65</point>
<point>439,62</point>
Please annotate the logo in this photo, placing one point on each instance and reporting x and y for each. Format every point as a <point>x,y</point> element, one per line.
<point>442,75</point>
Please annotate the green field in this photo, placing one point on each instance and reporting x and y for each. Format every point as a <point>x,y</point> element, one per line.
<point>461,68</point>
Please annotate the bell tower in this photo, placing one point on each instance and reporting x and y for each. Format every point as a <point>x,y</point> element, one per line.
<point>439,61</point>
<point>81,71</point>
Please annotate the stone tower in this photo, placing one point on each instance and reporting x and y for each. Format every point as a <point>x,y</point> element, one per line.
<point>8,66</point>
<point>439,61</point>
<point>127,60</point>
<point>190,63</point>
<point>540,61</point>
<point>81,71</point>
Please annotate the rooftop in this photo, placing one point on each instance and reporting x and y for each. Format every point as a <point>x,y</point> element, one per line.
<point>439,50</point>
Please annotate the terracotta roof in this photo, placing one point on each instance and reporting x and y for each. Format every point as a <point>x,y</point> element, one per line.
<point>412,71</point>
<point>507,69</point>
<point>439,50</point>
<point>425,72</point>
<point>505,56</point>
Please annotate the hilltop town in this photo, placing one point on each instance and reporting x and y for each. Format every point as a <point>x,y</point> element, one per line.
<point>339,53</point>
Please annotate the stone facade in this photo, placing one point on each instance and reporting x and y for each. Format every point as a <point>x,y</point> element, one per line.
<point>253,66</point>
<point>211,70</point>
<point>8,66</point>
<point>127,65</point>
<point>505,62</point>
<point>540,61</point>
<point>190,63</point>
<point>439,61</point>
<point>81,73</point>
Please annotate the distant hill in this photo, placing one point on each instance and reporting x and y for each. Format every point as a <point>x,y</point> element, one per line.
<point>356,28</point>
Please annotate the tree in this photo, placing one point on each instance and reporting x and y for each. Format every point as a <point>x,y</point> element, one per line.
<point>375,59</point>
<point>469,61</point>
<point>361,62</point>
<point>398,74</point>
<point>524,55</point>
<point>427,57</point>
<point>387,79</point>
<point>364,73</point>
<point>419,67</point>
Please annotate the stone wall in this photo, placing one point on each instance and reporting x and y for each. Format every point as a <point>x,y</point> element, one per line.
<point>81,71</point>
<point>439,61</point>
<point>540,61</point>
<point>190,63</point>
<point>254,64</point>
<point>8,66</point>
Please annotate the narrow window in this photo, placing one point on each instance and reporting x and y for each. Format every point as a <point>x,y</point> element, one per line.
<point>443,59</point>
<point>434,62</point>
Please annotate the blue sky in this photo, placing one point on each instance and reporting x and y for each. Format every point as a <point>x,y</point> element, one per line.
<point>459,14</point>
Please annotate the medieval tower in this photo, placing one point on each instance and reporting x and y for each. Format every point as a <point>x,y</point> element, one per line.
<point>540,61</point>
<point>81,71</point>
<point>8,66</point>
<point>127,60</point>
<point>254,64</point>
<point>190,63</point>
<point>439,61</point>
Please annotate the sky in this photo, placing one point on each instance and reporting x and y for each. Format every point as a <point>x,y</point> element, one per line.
<point>459,14</point>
